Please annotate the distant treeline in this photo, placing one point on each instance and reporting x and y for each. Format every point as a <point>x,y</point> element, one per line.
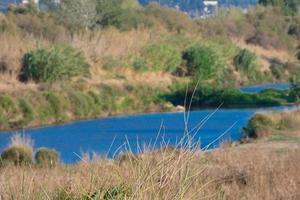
<point>192,5</point>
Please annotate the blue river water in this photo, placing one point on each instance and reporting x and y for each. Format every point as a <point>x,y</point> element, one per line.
<point>258,88</point>
<point>111,135</point>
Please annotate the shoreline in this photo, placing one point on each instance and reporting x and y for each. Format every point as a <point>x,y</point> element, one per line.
<point>108,116</point>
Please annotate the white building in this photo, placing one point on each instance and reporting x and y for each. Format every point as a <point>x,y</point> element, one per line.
<point>5,3</point>
<point>27,1</point>
<point>210,7</point>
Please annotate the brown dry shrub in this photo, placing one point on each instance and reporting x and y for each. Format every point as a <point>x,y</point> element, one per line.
<point>262,132</point>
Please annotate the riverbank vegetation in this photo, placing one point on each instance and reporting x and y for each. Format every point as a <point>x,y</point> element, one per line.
<point>269,171</point>
<point>274,126</point>
<point>115,57</point>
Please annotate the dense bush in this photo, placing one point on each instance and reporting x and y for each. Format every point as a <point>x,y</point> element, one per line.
<point>8,106</point>
<point>265,32</point>
<point>294,29</point>
<point>289,7</point>
<point>41,26</point>
<point>278,71</point>
<point>245,60</point>
<point>170,18</point>
<point>27,112</point>
<point>126,19</point>
<point>246,63</point>
<point>54,63</point>
<point>78,14</point>
<point>209,96</point>
<point>57,104</point>
<point>17,155</point>
<point>47,157</point>
<point>122,14</point>
<point>83,104</point>
<point>256,124</point>
<point>159,57</point>
<point>201,61</point>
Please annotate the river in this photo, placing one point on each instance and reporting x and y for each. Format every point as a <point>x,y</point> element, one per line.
<point>111,135</point>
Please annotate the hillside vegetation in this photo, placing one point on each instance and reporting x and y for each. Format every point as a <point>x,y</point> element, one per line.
<point>114,56</point>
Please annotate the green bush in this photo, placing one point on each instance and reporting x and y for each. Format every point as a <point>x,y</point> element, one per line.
<point>54,63</point>
<point>161,57</point>
<point>124,14</point>
<point>27,112</point>
<point>47,157</point>
<point>8,106</point>
<point>140,64</point>
<point>126,19</point>
<point>172,19</point>
<point>57,106</point>
<point>245,60</point>
<point>289,7</point>
<point>278,71</point>
<point>83,104</point>
<point>17,155</point>
<point>258,121</point>
<point>201,61</point>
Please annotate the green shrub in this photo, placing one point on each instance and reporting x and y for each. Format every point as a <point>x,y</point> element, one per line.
<point>257,122</point>
<point>172,19</point>
<point>47,157</point>
<point>17,155</point>
<point>127,19</point>
<point>83,104</point>
<point>8,106</point>
<point>245,60</point>
<point>294,29</point>
<point>57,106</point>
<point>201,61</point>
<point>27,112</point>
<point>97,102</point>
<point>289,7</point>
<point>278,71</point>
<point>140,64</point>
<point>124,15</point>
<point>54,63</point>
<point>161,57</point>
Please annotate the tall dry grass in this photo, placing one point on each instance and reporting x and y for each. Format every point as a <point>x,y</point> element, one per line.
<point>256,171</point>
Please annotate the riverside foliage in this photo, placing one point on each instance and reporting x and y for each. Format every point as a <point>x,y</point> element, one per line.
<point>116,57</point>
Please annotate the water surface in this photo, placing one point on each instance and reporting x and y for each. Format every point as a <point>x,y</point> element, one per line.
<point>107,136</point>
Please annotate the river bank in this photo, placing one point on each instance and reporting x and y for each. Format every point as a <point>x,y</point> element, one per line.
<point>269,171</point>
<point>108,136</point>
<point>54,108</point>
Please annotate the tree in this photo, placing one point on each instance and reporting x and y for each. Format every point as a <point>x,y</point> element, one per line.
<point>201,61</point>
<point>78,13</point>
<point>49,5</point>
<point>123,14</point>
<point>290,7</point>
